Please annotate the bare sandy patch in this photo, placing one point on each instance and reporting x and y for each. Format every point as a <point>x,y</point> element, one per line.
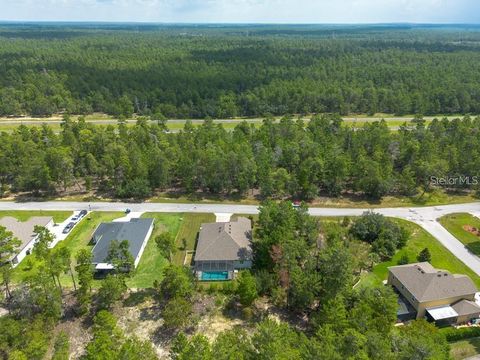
<point>472,230</point>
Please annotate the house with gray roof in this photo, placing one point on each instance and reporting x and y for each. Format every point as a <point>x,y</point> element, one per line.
<point>136,231</point>
<point>434,294</point>
<point>25,232</point>
<point>222,248</point>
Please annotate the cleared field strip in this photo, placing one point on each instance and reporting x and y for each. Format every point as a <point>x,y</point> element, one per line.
<point>174,125</point>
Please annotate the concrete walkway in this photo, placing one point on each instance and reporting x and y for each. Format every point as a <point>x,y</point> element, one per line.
<point>129,216</point>
<point>426,217</point>
<point>220,217</point>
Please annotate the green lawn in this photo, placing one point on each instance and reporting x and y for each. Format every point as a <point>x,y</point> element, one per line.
<point>420,239</point>
<point>352,120</point>
<point>465,348</point>
<point>188,231</point>
<point>152,262</point>
<point>79,238</point>
<point>21,215</point>
<point>454,223</point>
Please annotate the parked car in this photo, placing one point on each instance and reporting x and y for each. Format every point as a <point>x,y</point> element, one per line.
<point>68,228</point>
<point>82,213</point>
<point>127,211</point>
<point>75,218</point>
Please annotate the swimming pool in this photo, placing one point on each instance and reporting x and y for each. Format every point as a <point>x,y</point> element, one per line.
<point>215,276</point>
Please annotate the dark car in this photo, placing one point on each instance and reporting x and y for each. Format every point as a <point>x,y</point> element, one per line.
<point>82,213</point>
<point>68,228</point>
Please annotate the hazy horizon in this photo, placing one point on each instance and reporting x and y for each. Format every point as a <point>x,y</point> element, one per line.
<point>331,12</point>
<point>399,23</point>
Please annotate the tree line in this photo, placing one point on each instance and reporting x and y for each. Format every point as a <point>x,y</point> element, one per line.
<point>198,73</point>
<point>300,265</point>
<point>312,276</point>
<point>38,303</point>
<point>291,158</point>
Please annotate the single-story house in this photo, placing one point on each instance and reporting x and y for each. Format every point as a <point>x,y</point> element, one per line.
<point>136,232</point>
<point>437,295</point>
<point>222,248</point>
<point>24,231</point>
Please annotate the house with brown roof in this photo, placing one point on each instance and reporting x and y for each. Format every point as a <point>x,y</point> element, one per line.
<point>25,232</point>
<point>222,248</point>
<point>434,294</point>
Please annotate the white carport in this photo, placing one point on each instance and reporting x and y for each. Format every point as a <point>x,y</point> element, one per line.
<point>442,313</point>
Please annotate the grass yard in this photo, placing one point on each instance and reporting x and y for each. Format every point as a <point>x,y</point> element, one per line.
<point>420,239</point>
<point>152,262</point>
<point>76,240</point>
<point>21,215</point>
<point>455,224</point>
<point>465,348</point>
<point>188,231</point>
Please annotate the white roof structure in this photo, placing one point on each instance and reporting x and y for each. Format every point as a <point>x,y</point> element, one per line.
<point>442,312</point>
<point>104,266</point>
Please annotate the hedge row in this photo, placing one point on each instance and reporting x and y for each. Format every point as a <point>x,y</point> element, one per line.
<point>453,334</point>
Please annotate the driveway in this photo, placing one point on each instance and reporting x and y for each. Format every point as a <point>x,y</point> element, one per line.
<point>426,217</point>
<point>129,216</point>
<point>220,217</point>
<point>57,229</point>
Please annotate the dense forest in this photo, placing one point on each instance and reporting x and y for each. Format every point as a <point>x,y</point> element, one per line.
<point>291,158</point>
<point>221,71</point>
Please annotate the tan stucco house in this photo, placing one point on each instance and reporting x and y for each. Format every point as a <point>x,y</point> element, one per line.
<point>438,295</point>
<point>222,248</point>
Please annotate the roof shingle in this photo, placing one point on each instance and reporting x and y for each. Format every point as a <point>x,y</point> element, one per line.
<point>228,241</point>
<point>466,307</point>
<point>134,231</point>
<point>426,283</point>
<point>24,230</point>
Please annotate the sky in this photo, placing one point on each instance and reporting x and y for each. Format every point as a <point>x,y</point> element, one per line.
<point>244,11</point>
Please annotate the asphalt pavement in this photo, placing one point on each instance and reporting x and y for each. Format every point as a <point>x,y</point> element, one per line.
<point>426,217</point>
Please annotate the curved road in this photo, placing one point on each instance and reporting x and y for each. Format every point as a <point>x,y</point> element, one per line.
<point>426,217</point>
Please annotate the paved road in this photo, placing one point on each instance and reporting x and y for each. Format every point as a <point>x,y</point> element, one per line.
<point>426,217</point>
<point>412,213</point>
